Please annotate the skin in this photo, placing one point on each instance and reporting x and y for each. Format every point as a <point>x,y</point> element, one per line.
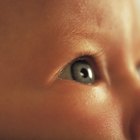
<point>38,38</point>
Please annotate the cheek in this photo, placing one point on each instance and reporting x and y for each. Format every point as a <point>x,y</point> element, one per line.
<point>85,111</point>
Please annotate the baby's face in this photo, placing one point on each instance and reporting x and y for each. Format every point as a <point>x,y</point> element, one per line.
<point>69,70</point>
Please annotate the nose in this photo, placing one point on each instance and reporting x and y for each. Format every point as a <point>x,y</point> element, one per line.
<point>133,93</point>
<point>135,113</point>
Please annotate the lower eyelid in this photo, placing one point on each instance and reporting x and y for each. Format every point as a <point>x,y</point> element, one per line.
<point>72,83</point>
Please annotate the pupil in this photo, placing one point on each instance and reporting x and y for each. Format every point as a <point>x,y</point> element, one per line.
<point>84,73</point>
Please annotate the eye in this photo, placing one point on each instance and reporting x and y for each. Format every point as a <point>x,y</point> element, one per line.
<point>138,70</point>
<point>81,70</point>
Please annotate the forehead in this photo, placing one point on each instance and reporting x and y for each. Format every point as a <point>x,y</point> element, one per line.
<point>94,13</point>
<point>94,17</point>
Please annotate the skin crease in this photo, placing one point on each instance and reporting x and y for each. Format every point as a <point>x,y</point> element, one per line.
<point>38,38</point>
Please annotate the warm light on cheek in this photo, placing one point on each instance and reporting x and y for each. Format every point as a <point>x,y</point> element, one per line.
<point>98,95</point>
